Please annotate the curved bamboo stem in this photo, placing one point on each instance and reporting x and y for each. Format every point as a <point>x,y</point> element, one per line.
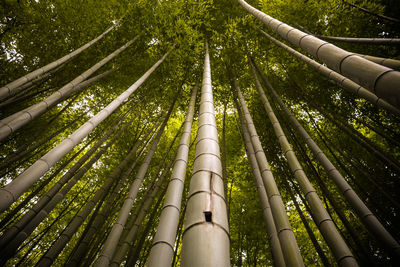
<point>380,80</point>
<point>325,224</point>
<point>339,79</point>
<point>9,88</point>
<point>262,194</point>
<point>13,190</point>
<point>15,121</point>
<point>365,215</point>
<point>112,240</point>
<point>286,236</point>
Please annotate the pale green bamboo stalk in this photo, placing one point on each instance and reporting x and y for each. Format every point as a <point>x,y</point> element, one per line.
<point>10,87</point>
<point>362,211</point>
<point>372,41</point>
<point>10,193</point>
<point>276,249</point>
<point>342,81</point>
<point>129,234</point>
<point>9,250</point>
<point>115,234</point>
<point>43,201</point>
<point>388,62</point>
<point>290,249</point>
<point>162,249</point>
<point>17,120</point>
<point>83,245</point>
<point>206,234</point>
<point>129,240</point>
<point>380,80</point>
<point>22,90</point>
<point>326,226</point>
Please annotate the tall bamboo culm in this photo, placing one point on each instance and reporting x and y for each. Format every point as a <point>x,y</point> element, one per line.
<point>382,81</point>
<point>12,191</point>
<point>206,234</point>
<point>112,239</point>
<point>10,88</point>
<point>131,230</point>
<point>162,250</point>
<point>290,249</point>
<point>342,81</point>
<point>42,213</point>
<point>366,216</point>
<point>276,249</point>
<point>17,120</point>
<point>82,246</point>
<point>326,226</point>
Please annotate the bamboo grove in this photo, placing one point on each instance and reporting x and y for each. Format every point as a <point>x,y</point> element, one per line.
<point>199,133</point>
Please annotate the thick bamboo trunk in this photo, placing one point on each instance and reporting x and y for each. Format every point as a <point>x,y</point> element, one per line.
<point>365,215</point>
<point>382,81</point>
<point>206,234</point>
<point>334,240</point>
<point>115,234</point>
<point>162,249</point>
<point>262,194</point>
<point>12,191</point>
<point>388,62</point>
<point>17,120</point>
<point>286,236</point>
<point>342,81</point>
<point>9,88</point>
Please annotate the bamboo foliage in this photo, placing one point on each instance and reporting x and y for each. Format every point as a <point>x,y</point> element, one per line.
<point>8,89</point>
<point>10,192</point>
<point>17,120</point>
<point>162,249</point>
<point>338,246</point>
<point>380,80</point>
<point>287,239</point>
<point>347,84</point>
